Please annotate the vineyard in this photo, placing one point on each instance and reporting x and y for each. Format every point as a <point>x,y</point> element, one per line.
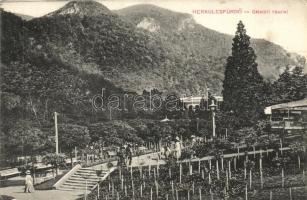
<point>274,175</point>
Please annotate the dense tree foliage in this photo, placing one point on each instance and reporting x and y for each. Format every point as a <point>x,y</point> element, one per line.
<point>71,136</point>
<point>243,84</point>
<point>25,140</point>
<point>291,86</point>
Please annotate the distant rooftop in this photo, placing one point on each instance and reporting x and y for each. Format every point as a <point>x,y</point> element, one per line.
<point>293,105</point>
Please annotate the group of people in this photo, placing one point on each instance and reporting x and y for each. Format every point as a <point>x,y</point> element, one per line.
<point>174,152</point>
<point>124,155</point>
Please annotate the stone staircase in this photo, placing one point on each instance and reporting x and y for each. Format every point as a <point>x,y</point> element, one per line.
<point>82,178</point>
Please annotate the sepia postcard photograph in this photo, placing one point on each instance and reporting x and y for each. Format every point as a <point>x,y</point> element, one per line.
<point>153,100</point>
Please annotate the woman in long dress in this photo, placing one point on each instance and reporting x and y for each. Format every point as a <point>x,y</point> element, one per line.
<point>29,182</point>
<point>177,148</point>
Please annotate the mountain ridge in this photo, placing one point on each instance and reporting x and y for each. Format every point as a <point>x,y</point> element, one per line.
<point>266,58</point>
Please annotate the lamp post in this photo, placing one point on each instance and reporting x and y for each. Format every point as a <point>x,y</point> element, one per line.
<point>213,109</point>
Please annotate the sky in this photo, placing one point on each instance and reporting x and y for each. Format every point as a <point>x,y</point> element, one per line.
<point>287,27</point>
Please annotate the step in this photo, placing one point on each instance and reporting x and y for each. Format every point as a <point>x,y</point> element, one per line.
<point>83,179</point>
<point>79,184</point>
<point>78,181</point>
<point>84,174</point>
<point>75,187</point>
<point>87,169</point>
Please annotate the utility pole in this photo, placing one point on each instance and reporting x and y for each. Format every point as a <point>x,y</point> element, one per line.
<point>56,133</point>
<point>213,124</point>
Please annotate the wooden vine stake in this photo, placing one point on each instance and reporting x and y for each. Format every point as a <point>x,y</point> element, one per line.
<point>299,161</point>
<point>209,178</point>
<point>229,169</point>
<point>199,193</point>
<point>98,188</point>
<point>250,179</point>
<point>173,188</point>
<point>157,189</point>
<point>122,183</point>
<point>193,188</point>
<point>151,193</point>
<point>180,172</point>
<point>282,178</point>
<point>244,170</point>
<point>132,189</point>
<point>210,164</point>
<point>158,167</point>
<point>217,170</point>
<point>280,146</point>
<point>260,168</point>
<point>131,174</point>
<point>271,195</point>
<point>227,182</point>
<point>246,192</point>
<point>112,189</point>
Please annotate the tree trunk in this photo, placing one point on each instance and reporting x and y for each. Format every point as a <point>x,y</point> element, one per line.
<point>72,164</point>
<point>217,170</point>
<point>46,109</point>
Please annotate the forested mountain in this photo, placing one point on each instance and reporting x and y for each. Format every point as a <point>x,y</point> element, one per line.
<point>136,48</point>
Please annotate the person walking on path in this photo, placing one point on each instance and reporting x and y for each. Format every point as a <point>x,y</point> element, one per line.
<point>121,157</point>
<point>129,154</point>
<point>28,183</point>
<point>167,152</point>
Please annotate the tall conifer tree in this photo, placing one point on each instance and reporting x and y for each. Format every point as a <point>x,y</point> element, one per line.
<point>242,84</point>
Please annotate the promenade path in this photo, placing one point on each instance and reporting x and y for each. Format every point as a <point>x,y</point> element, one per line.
<point>18,194</point>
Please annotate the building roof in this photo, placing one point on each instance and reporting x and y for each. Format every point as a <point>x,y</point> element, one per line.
<point>293,105</point>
